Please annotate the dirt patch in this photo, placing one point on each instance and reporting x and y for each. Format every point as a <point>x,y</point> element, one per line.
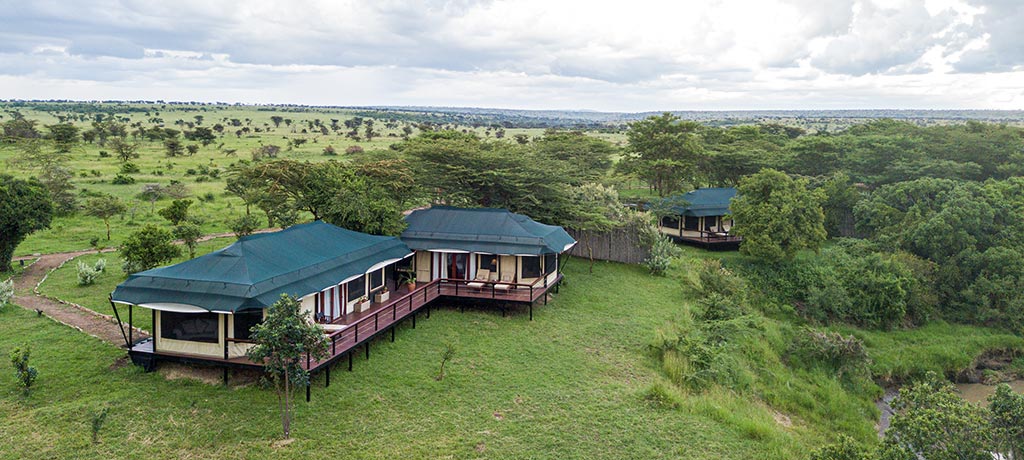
<point>119,363</point>
<point>283,443</point>
<point>208,375</point>
<point>782,419</point>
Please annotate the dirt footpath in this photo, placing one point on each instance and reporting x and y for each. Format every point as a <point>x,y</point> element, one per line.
<point>87,321</point>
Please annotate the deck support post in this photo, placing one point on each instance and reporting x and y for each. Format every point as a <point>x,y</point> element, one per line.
<point>131,343</point>
<point>414,321</point>
<point>327,373</point>
<point>225,377</point>
<point>307,391</point>
<point>531,311</point>
<point>367,349</point>
<point>428,312</point>
<point>120,324</point>
<point>392,334</point>
<point>350,361</point>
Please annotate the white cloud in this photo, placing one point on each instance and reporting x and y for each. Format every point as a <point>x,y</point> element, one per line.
<point>641,55</point>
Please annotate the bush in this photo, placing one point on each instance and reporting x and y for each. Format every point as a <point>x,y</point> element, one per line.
<point>354,149</point>
<point>842,355</point>
<point>25,375</point>
<point>86,274</point>
<point>129,168</point>
<point>122,179</point>
<point>97,419</point>
<point>101,266</point>
<point>6,292</point>
<point>147,248</point>
<point>330,151</point>
<point>714,278</point>
<point>245,225</point>
<point>662,253</point>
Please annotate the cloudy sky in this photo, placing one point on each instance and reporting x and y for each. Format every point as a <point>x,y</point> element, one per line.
<point>634,55</point>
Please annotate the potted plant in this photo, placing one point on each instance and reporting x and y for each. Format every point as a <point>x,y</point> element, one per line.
<point>409,280</point>
<point>363,303</point>
<point>382,295</point>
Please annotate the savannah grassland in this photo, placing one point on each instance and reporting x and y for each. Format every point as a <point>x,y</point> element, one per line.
<point>93,173</point>
<point>580,381</point>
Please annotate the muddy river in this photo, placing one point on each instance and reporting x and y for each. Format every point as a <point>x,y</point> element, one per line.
<point>979,393</point>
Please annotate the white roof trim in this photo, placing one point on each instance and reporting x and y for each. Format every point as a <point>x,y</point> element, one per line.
<point>380,265</point>
<point>569,246</point>
<point>174,307</point>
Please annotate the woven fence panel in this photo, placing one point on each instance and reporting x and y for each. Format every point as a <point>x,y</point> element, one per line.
<point>619,245</point>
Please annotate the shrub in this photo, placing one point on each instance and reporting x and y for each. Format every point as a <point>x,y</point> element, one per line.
<point>104,154</point>
<point>245,225</point>
<point>147,248</point>
<point>354,149</point>
<point>129,168</point>
<point>101,265</point>
<point>6,292</point>
<point>122,179</point>
<point>25,375</point>
<point>207,197</point>
<point>97,420</point>
<point>843,355</point>
<point>86,274</point>
<point>662,253</point>
<point>714,278</point>
<point>330,151</point>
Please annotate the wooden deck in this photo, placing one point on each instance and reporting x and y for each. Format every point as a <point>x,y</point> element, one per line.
<point>711,242</point>
<point>350,331</point>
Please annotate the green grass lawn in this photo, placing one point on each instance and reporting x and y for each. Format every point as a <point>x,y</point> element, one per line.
<point>63,282</point>
<point>574,383</point>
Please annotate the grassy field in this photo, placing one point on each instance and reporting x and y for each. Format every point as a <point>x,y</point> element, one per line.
<point>93,173</point>
<point>578,382</point>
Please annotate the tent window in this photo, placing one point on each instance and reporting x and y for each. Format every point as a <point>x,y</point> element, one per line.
<point>691,223</point>
<point>489,262</point>
<point>244,321</point>
<point>356,288</point>
<point>376,279</point>
<point>531,267</point>
<point>549,263</point>
<point>194,327</point>
<point>670,221</point>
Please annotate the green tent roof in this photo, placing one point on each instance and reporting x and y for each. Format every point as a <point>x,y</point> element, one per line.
<point>706,202</point>
<point>486,230</point>
<point>254,271</point>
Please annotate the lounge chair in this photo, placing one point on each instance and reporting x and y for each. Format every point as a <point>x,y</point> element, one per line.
<point>481,275</point>
<point>505,284</point>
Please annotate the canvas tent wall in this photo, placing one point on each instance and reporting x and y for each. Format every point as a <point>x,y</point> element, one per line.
<point>447,237</point>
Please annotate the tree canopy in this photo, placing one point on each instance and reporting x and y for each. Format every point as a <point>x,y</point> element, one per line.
<point>777,215</point>
<point>25,207</point>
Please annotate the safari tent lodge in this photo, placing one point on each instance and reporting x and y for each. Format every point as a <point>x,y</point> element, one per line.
<point>703,219</point>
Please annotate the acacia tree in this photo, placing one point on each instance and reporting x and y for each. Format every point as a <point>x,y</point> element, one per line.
<point>665,151</point>
<point>105,207</point>
<point>25,207</point>
<point>777,215</point>
<point>283,340</point>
